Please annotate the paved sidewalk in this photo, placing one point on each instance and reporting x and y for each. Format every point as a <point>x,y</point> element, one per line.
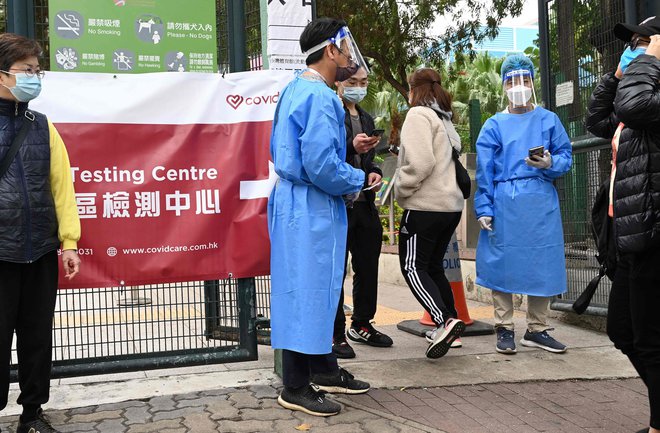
<point>603,406</point>
<point>591,388</point>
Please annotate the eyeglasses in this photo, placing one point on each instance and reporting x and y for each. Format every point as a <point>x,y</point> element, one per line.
<point>349,57</point>
<point>634,43</point>
<point>31,72</point>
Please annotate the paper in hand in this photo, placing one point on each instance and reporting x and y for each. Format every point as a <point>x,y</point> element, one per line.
<point>372,186</point>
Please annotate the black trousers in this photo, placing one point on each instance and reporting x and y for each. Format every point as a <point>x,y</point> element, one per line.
<point>27,306</point>
<point>633,323</point>
<point>364,240</point>
<point>298,368</point>
<point>423,241</point>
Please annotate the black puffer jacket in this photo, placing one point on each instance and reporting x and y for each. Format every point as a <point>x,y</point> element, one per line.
<point>635,101</point>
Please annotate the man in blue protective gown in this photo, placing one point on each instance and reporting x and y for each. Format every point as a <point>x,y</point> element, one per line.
<point>307,220</point>
<point>520,152</point>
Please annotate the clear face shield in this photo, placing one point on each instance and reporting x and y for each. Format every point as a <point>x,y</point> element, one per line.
<point>347,45</point>
<point>519,88</point>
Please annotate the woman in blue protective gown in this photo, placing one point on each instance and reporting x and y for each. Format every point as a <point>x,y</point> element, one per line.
<point>521,244</point>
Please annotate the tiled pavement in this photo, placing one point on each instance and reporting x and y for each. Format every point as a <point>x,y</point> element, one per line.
<point>616,406</point>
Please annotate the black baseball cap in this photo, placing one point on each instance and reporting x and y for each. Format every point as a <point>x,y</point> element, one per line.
<point>648,27</point>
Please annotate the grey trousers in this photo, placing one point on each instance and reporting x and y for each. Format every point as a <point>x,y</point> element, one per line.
<point>537,311</point>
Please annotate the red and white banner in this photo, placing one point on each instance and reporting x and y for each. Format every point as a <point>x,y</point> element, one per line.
<point>171,170</point>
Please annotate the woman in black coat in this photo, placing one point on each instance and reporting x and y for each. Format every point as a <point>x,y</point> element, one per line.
<point>625,107</point>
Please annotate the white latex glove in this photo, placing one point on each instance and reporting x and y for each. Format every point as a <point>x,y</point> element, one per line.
<point>485,223</point>
<point>543,162</point>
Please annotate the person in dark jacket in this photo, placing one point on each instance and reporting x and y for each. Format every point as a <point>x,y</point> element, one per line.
<point>625,107</point>
<point>38,216</point>
<point>365,233</point>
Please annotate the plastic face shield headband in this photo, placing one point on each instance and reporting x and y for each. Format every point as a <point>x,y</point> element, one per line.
<point>519,87</point>
<point>349,48</point>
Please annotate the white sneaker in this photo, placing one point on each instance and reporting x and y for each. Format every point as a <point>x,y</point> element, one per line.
<point>444,337</point>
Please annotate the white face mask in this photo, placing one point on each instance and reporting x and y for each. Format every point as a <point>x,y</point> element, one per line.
<point>519,95</point>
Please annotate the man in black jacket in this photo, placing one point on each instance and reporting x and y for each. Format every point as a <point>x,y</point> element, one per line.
<point>625,107</point>
<point>365,233</point>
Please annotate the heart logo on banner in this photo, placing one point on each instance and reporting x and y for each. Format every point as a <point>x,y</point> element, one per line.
<point>235,101</point>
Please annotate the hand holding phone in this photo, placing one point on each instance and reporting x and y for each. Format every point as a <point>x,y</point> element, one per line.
<point>536,152</point>
<point>377,132</point>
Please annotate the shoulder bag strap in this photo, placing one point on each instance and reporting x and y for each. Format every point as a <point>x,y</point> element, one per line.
<point>16,144</point>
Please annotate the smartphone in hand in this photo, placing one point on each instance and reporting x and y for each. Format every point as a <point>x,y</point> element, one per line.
<point>377,132</point>
<point>536,151</point>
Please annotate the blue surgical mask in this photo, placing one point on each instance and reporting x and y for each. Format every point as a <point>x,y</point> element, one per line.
<point>355,94</point>
<point>630,55</point>
<point>27,87</point>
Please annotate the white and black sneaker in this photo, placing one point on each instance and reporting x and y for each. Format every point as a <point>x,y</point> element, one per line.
<point>367,334</point>
<point>444,338</point>
<point>341,382</point>
<point>307,400</point>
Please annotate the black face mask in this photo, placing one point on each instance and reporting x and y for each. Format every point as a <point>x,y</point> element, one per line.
<point>343,73</point>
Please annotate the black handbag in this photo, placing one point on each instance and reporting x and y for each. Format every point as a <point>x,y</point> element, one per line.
<point>462,177</point>
<point>16,144</point>
<point>601,230</point>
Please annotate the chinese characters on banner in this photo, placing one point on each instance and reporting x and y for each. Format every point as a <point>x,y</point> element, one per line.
<point>132,36</point>
<point>171,174</point>
<point>286,21</point>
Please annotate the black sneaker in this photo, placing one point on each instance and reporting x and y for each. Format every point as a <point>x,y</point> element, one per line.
<point>341,348</point>
<point>443,340</point>
<point>39,425</point>
<point>341,382</point>
<point>308,400</point>
<point>506,342</point>
<point>367,334</point>
<point>542,340</point>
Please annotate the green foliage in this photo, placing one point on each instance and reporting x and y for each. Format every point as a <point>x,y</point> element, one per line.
<point>396,34</point>
<point>477,78</point>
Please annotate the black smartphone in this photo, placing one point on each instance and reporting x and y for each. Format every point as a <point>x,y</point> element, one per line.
<point>377,132</point>
<point>393,149</point>
<point>537,151</point>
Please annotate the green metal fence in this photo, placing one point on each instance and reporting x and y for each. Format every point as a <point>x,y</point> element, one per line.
<point>116,329</point>
<point>577,48</point>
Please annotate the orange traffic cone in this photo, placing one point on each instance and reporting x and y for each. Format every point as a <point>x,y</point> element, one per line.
<point>452,266</point>
<point>459,303</point>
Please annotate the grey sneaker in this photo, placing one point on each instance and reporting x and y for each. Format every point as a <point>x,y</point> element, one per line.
<point>506,342</point>
<point>341,382</point>
<point>444,337</point>
<point>309,401</point>
<point>542,340</point>
<point>430,336</point>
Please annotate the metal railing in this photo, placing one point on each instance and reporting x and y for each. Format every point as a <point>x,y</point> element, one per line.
<point>577,191</point>
<point>577,48</point>
<point>116,329</point>
<point>119,329</point>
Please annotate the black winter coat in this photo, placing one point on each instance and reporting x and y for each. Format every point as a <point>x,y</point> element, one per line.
<point>368,165</point>
<point>635,101</point>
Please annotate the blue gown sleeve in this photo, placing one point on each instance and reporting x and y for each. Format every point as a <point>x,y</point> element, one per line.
<point>487,143</point>
<point>320,139</point>
<point>561,150</point>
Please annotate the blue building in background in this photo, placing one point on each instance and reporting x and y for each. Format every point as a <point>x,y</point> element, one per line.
<point>509,40</point>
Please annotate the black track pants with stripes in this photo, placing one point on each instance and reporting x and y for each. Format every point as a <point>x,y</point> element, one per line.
<point>423,240</point>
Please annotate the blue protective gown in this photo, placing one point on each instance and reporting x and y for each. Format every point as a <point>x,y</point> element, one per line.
<point>307,216</point>
<point>525,251</point>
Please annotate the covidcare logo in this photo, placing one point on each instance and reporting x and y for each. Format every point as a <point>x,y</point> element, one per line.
<point>235,101</point>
